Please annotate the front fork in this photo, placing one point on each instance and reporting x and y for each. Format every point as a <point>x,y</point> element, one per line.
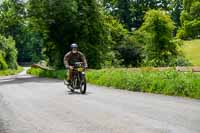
<point>82,75</point>
<point>81,79</point>
<point>78,80</point>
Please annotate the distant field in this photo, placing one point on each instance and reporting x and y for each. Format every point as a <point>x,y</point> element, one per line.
<point>192,51</point>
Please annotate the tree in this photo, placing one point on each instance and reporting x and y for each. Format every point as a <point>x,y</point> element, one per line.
<point>160,48</point>
<point>177,7</point>
<point>190,20</point>
<point>15,23</point>
<point>131,13</point>
<point>124,13</point>
<point>125,49</point>
<point>11,13</point>
<point>92,33</point>
<point>64,22</point>
<point>140,7</point>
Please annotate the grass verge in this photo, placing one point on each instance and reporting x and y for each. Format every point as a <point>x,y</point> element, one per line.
<point>191,50</point>
<point>168,82</point>
<point>10,71</point>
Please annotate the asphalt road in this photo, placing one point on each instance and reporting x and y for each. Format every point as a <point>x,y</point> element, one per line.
<point>40,105</point>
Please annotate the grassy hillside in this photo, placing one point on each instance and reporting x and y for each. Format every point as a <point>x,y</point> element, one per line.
<point>192,51</point>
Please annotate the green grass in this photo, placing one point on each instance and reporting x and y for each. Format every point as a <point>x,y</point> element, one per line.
<point>59,74</point>
<point>10,71</point>
<point>169,82</point>
<point>192,51</point>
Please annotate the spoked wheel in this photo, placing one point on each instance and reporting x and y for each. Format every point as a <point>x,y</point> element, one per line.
<point>71,86</point>
<point>83,87</point>
<point>68,86</point>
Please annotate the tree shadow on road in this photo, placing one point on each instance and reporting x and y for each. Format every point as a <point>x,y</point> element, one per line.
<point>25,79</point>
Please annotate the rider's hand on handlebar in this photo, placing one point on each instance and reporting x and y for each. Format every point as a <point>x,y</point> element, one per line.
<point>71,67</point>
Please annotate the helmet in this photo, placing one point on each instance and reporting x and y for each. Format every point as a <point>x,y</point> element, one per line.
<point>74,45</point>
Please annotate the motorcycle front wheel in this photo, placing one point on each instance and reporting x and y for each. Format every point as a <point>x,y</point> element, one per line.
<point>83,86</point>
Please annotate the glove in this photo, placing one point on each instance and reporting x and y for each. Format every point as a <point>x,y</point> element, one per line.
<point>71,67</point>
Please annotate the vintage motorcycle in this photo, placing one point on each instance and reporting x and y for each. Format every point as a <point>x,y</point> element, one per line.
<point>78,81</point>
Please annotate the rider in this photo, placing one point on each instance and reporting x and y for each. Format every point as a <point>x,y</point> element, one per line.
<point>71,57</point>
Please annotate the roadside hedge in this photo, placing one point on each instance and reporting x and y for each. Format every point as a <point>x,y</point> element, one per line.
<point>10,71</point>
<point>169,82</point>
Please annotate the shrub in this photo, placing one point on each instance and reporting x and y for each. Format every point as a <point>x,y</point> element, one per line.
<point>10,71</point>
<point>8,52</point>
<point>3,64</point>
<point>161,47</point>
